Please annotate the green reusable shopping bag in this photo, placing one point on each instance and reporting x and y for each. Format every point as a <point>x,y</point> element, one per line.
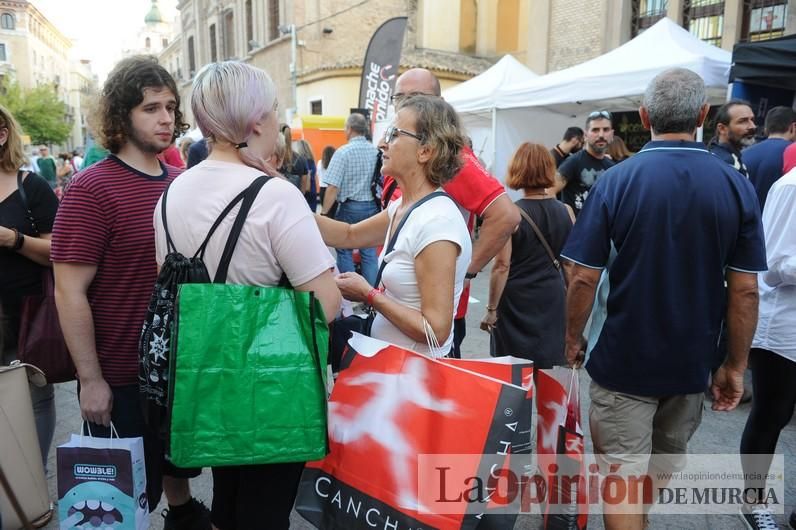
<point>248,384</point>
<point>247,369</point>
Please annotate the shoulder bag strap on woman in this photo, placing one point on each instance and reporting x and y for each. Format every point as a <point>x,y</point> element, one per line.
<point>394,238</point>
<point>24,197</point>
<point>237,227</point>
<point>541,238</point>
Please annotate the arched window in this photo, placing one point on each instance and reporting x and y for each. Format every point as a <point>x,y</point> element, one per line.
<point>273,19</point>
<point>213,44</point>
<point>249,24</point>
<point>191,58</point>
<point>7,21</point>
<point>646,13</point>
<point>147,43</point>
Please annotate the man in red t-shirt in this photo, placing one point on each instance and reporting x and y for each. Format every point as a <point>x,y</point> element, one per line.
<point>474,190</point>
<point>103,249</point>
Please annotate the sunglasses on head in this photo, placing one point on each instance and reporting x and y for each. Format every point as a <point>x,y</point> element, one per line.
<point>600,114</point>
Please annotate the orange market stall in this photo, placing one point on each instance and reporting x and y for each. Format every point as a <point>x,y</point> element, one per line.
<point>319,131</point>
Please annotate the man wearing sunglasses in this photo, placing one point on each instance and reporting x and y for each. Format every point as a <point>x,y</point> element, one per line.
<point>578,173</point>
<point>474,190</point>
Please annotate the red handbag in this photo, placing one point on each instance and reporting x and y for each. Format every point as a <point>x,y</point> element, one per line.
<point>41,341</point>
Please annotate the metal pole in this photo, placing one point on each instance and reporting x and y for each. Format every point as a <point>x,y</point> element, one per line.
<point>493,169</point>
<point>294,68</point>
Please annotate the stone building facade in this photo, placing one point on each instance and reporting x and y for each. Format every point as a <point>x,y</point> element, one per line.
<point>34,52</point>
<point>563,33</point>
<point>332,36</point>
<point>455,38</point>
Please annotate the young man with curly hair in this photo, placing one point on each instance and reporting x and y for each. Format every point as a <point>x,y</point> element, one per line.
<point>103,249</point>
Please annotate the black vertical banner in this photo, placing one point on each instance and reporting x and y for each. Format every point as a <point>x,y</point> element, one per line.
<point>381,67</point>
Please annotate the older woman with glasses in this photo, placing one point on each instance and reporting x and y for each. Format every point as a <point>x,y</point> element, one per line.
<point>422,277</point>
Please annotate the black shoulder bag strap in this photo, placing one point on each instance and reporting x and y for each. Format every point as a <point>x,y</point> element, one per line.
<point>394,238</point>
<point>24,197</point>
<point>249,196</point>
<point>200,252</point>
<point>375,180</point>
<point>540,237</point>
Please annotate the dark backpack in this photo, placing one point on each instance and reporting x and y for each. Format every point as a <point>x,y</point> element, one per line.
<point>154,348</point>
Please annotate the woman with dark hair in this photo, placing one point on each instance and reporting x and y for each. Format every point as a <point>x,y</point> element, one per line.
<point>294,166</point>
<point>24,256</point>
<point>423,276</point>
<point>323,164</point>
<point>526,308</point>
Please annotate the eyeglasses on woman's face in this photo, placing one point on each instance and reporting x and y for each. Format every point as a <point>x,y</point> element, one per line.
<point>393,132</point>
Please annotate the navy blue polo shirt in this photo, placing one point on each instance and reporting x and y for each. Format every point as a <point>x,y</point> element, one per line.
<point>664,224</point>
<point>764,163</point>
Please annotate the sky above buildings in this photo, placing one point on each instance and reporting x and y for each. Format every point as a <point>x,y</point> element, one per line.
<point>101,29</point>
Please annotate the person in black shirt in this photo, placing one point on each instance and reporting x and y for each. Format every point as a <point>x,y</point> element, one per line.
<point>571,144</point>
<point>580,171</point>
<point>735,129</point>
<point>24,254</point>
<point>765,160</point>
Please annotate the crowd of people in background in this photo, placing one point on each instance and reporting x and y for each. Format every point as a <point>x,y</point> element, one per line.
<point>636,264</point>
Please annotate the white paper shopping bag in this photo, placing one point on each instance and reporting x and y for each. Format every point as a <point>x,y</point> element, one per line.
<point>102,484</point>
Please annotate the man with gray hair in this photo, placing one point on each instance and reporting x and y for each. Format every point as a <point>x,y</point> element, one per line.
<point>348,179</point>
<point>665,229</point>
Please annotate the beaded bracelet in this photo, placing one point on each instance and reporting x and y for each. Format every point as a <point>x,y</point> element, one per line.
<point>19,239</point>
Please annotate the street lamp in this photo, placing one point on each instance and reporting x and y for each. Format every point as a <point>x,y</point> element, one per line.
<point>291,30</point>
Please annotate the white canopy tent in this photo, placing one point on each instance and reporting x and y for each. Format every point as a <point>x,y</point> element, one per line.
<point>540,109</point>
<point>475,98</point>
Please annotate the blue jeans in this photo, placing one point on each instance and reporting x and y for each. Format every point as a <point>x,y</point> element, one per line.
<point>352,212</point>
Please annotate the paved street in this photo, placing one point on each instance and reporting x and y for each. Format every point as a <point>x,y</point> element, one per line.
<point>719,433</point>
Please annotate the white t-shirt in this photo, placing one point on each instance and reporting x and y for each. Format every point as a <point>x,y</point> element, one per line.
<point>439,219</point>
<point>320,170</point>
<point>280,232</point>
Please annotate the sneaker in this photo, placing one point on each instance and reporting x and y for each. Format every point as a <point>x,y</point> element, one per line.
<point>759,518</point>
<point>198,518</point>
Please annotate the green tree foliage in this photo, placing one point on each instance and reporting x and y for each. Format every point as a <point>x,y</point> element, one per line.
<point>42,116</point>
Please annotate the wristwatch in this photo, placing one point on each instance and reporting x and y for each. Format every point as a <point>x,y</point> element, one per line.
<point>470,275</point>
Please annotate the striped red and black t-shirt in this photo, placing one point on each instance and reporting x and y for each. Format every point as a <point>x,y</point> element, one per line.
<point>105,219</point>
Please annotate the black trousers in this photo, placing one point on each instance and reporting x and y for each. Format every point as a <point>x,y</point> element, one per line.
<point>773,399</point>
<point>459,331</point>
<point>128,419</point>
<point>253,497</point>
